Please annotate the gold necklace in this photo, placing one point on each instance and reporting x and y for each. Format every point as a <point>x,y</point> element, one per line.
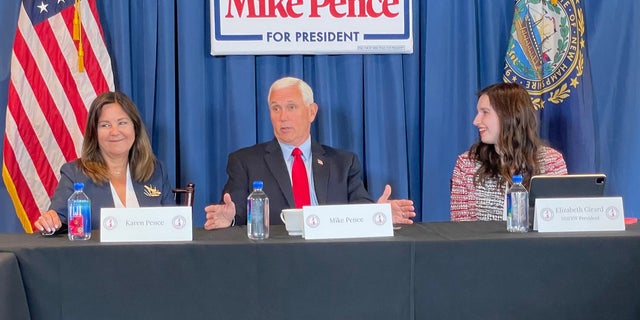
<point>116,173</point>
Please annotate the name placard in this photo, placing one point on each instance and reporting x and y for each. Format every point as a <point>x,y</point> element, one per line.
<point>145,224</point>
<point>347,221</point>
<point>579,214</point>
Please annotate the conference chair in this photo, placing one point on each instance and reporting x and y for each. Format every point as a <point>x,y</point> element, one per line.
<point>187,194</point>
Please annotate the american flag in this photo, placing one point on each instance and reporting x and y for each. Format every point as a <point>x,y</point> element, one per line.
<point>59,64</point>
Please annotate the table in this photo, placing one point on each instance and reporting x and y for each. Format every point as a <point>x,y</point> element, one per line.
<point>471,270</point>
<point>481,272</point>
<point>13,302</point>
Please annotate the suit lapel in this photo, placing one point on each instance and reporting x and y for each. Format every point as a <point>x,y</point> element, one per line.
<point>320,168</point>
<point>105,198</point>
<point>275,162</point>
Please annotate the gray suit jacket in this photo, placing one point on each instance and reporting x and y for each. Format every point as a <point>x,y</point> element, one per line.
<point>336,175</point>
<point>100,195</point>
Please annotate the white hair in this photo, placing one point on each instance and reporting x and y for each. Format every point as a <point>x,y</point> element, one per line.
<point>305,89</point>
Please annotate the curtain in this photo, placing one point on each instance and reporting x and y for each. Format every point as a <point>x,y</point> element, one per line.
<point>407,117</point>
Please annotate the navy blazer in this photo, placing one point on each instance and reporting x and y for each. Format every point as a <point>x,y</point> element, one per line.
<point>100,195</point>
<point>336,176</point>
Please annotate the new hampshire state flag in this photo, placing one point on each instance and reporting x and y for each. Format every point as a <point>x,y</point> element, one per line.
<point>547,55</point>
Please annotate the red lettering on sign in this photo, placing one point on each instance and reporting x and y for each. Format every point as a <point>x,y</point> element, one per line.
<point>265,8</point>
<point>290,8</point>
<point>355,8</point>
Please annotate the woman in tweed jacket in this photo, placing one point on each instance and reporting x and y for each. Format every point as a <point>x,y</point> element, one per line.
<point>508,145</point>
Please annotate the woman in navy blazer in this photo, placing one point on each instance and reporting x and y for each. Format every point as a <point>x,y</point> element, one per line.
<point>117,165</point>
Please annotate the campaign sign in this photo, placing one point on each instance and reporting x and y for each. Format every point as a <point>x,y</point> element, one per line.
<point>146,224</point>
<point>260,27</point>
<point>347,221</point>
<point>579,214</point>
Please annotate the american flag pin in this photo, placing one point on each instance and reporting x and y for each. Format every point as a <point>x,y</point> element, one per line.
<point>320,162</point>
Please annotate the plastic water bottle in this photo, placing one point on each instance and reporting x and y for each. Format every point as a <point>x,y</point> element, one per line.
<point>79,214</point>
<point>258,213</point>
<point>517,206</point>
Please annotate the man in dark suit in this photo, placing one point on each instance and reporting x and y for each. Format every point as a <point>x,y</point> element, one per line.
<point>333,175</point>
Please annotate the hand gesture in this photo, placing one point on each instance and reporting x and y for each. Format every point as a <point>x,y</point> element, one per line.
<point>401,210</point>
<point>220,215</point>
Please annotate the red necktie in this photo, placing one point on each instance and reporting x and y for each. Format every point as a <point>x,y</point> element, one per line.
<point>301,194</point>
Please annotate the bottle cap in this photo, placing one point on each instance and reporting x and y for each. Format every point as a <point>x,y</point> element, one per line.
<point>517,178</point>
<point>257,184</point>
<point>78,186</point>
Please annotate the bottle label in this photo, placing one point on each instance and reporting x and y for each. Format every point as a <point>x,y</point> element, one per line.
<point>76,226</point>
<point>79,218</point>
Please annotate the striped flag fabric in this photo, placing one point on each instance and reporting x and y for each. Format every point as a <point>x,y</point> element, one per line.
<point>59,64</point>
<point>547,55</point>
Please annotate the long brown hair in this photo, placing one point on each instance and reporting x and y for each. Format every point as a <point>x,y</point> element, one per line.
<point>141,158</point>
<point>518,140</point>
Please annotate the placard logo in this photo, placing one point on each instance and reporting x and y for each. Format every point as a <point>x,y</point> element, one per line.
<point>313,221</point>
<point>547,214</point>
<point>110,223</point>
<point>179,222</point>
<point>379,218</point>
<point>612,213</point>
